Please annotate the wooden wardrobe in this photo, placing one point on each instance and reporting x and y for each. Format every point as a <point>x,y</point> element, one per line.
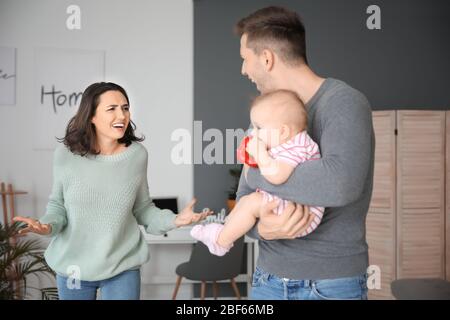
<point>406,223</point>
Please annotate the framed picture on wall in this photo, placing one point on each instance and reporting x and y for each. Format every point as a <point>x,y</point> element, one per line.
<point>61,75</point>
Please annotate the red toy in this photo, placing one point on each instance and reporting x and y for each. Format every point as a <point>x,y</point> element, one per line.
<point>242,154</point>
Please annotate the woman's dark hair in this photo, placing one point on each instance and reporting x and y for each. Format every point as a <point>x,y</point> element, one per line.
<point>80,135</point>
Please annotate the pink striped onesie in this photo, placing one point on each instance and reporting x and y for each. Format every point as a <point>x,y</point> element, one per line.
<point>299,149</point>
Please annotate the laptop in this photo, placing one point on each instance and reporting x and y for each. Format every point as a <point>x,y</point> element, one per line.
<point>170,203</point>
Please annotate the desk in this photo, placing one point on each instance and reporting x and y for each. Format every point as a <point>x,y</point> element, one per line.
<point>182,236</point>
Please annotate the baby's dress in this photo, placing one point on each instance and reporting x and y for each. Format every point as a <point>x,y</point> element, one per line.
<point>297,150</point>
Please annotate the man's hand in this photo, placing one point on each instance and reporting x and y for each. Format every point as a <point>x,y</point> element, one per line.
<point>33,226</point>
<point>295,219</point>
<point>188,216</point>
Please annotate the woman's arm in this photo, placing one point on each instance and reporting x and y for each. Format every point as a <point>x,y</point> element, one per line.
<point>155,220</point>
<point>56,214</point>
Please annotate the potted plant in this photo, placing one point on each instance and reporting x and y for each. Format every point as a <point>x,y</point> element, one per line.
<point>20,258</point>
<point>235,174</point>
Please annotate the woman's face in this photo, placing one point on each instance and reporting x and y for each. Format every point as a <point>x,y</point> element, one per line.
<point>112,116</point>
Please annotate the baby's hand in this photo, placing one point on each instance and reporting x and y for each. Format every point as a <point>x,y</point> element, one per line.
<point>255,146</point>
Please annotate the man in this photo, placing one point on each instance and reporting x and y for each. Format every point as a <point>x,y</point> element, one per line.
<point>331,262</point>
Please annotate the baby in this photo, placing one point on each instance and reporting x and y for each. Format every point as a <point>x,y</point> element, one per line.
<point>279,143</point>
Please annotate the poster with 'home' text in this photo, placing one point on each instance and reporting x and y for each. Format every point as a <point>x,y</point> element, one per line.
<point>61,75</point>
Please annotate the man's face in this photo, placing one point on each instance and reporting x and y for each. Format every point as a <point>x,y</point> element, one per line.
<point>253,68</point>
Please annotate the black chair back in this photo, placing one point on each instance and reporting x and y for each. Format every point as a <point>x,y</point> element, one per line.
<point>204,266</point>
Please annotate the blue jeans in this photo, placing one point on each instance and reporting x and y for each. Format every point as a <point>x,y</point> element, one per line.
<point>266,286</point>
<point>124,286</point>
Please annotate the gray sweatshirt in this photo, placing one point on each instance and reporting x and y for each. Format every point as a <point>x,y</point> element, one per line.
<point>340,121</point>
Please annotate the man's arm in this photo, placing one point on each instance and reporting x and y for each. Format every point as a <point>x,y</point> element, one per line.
<point>337,179</point>
<point>243,188</point>
<point>294,220</point>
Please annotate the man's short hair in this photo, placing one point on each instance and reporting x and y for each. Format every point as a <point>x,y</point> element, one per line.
<point>278,29</point>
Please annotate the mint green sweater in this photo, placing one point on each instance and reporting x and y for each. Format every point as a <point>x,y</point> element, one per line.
<point>95,207</point>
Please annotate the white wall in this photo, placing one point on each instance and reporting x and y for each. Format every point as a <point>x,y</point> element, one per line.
<point>149,51</point>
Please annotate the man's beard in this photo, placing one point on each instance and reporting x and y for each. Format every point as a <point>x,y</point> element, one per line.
<point>264,84</point>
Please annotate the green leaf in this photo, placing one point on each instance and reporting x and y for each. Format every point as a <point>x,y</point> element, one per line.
<point>19,258</point>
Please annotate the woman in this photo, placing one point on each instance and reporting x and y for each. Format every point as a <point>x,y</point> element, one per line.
<point>100,196</point>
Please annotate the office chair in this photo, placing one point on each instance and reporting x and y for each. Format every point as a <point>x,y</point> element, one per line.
<point>421,289</point>
<point>204,266</point>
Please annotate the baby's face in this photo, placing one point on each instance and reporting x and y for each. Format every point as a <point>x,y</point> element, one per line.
<point>265,127</point>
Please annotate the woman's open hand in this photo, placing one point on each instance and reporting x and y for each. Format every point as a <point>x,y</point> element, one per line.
<point>188,216</point>
<point>33,226</point>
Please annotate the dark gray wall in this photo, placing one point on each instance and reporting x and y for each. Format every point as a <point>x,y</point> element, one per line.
<point>405,65</point>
